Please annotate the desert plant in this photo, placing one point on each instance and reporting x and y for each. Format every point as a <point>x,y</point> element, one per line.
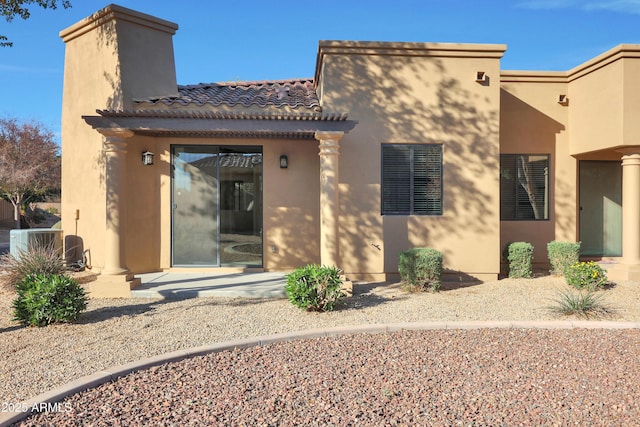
<point>519,256</point>
<point>52,211</point>
<point>48,298</point>
<point>421,269</point>
<point>580,303</point>
<point>562,255</point>
<point>588,275</point>
<point>314,287</point>
<point>38,259</point>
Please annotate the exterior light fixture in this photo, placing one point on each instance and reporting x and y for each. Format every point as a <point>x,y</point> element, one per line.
<point>147,158</point>
<point>284,161</point>
<point>563,100</point>
<point>481,77</point>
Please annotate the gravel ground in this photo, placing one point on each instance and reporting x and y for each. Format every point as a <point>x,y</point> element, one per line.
<point>477,377</point>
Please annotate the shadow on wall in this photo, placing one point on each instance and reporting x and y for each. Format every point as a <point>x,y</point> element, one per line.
<point>526,130</point>
<point>299,245</point>
<point>414,100</point>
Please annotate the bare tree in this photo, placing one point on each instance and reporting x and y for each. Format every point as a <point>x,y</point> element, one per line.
<point>12,8</point>
<point>527,181</point>
<point>29,163</point>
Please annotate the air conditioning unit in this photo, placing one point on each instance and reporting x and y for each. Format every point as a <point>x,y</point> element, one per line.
<point>21,240</point>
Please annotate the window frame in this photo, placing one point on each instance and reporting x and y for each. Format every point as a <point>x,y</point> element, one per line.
<point>438,211</point>
<point>546,200</point>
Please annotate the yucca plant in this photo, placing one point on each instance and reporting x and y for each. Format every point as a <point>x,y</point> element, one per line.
<point>583,304</point>
<point>38,259</point>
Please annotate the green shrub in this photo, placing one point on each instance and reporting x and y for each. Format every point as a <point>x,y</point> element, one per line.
<point>586,275</point>
<point>48,298</point>
<point>519,256</point>
<point>579,303</point>
<point>562,255</point>
<point>53,211</point>
<point>38,259</point>
<point>421,269</point>
<point>314,287</point>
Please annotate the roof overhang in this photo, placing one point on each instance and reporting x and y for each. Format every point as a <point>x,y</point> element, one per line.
<point>219,125</point>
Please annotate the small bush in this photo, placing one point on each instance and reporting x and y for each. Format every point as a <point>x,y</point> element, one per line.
<point>586,275</point>
<point>562,255</point>
<point>421,269</point>
<point>44,299</point>
<point>52,211</point>
<point>582,304</point>
<point>314,287</point>
<point>519,256</point>
<point>39,259</point>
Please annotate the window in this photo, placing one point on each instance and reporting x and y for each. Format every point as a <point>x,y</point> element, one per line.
<point>524,186</point>
<point>411,179</point>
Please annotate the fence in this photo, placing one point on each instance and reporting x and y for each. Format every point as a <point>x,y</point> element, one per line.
<point>6,214</point>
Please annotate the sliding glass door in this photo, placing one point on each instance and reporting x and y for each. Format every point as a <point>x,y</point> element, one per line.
<point>601,208</point>
<point>216,205</point>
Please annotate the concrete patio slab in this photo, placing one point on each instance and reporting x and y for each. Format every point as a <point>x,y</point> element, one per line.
<point>172,285</point>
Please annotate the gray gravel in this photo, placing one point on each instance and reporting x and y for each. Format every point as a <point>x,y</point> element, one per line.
<point>593,372</point>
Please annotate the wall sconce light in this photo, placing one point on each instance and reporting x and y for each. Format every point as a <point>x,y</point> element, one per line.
<point>147,158</point>
<point>563,100</point>
<point>481,77</point>
<point>284,161</point>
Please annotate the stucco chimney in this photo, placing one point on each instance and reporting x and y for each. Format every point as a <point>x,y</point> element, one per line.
<point>111,58</point>
<point>117,55</point>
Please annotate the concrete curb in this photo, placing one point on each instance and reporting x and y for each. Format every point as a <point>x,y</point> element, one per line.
<point>49,398</point>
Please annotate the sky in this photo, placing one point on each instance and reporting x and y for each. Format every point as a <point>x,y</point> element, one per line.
<point>271,40</point>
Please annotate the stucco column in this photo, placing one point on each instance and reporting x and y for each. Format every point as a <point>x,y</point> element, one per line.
<point>631,208</point>
<point>115,152</point>
<point>329,197</point>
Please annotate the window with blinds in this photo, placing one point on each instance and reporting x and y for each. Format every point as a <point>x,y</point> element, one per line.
<point>411,179</point>
<point>524,186</point>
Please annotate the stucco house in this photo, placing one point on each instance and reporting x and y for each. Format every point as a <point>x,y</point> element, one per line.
<point>388,146</point>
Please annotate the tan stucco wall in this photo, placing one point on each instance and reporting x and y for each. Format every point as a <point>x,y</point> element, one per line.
<point>143,227</point>
<point>605,101</point>
<point>109,58</point>
<point>85,89</point>
<point>631,102</point>
<point>533,122</point>
<point>290,203</point>
<point>416,93</point>
<point>596,109</point>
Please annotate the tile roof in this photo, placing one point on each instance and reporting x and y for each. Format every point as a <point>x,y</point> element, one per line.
<point>223,115</point>
<point>222,124</point>
<point>297,93</point>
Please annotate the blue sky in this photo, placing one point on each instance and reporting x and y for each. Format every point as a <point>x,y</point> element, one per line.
<point>278,39</point>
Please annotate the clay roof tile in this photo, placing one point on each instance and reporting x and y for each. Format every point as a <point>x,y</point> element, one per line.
<point>296,93</point>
